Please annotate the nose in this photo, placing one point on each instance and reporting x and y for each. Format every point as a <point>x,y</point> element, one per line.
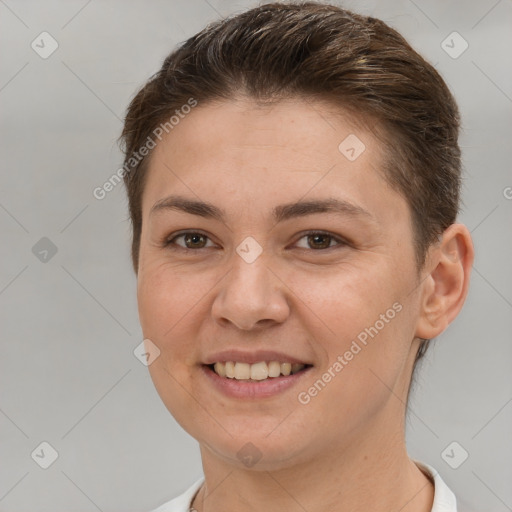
<point>252,296</point>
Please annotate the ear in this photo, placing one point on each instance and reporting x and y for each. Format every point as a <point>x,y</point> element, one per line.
<point>445,287</point>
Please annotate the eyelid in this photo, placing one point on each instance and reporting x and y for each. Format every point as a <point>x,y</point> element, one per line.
<point>340,242</point>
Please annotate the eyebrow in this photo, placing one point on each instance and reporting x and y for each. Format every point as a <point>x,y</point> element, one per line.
<point>280,213</point>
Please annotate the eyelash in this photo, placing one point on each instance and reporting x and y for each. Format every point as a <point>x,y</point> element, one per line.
<point>169,242</point>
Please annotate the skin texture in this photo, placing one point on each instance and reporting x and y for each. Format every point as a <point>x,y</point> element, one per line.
<point>345,449</point>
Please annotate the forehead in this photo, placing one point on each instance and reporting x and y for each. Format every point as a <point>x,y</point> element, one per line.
<point>239,155</point>
<point>293,126</point>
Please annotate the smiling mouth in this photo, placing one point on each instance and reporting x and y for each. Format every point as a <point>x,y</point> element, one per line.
<point>258,371</point>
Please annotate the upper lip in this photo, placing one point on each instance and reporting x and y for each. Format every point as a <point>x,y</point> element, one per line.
<point>252,357</point>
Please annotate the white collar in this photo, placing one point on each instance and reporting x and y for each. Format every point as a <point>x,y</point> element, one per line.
<point>444,499</point>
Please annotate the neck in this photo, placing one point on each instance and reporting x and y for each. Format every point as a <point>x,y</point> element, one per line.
<point>369,473</point>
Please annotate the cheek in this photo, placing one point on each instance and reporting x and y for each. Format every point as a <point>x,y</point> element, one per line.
<point>348,299</point>
<point>168,302</point>
<point>166,297</point>
<point>364,370</point>
<point>370,328</point>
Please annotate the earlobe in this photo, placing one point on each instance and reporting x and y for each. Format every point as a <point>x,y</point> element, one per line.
<point>444,290</point>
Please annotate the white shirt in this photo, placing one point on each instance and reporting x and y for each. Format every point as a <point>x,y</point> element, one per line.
<point>444,499</point>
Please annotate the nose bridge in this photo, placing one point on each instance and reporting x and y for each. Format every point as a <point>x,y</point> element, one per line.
<point>251,292</point>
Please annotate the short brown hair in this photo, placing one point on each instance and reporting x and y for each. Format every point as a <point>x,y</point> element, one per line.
<point>316,51</point>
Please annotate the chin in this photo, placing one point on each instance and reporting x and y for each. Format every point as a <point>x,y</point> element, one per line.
<point>255,451</point>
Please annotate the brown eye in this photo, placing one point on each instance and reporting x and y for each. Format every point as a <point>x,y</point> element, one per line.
<point>192,240</point>
<point>195,240</point>
<point>318,241</point>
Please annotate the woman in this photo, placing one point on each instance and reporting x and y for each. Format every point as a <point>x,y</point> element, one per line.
<point>293,179</point>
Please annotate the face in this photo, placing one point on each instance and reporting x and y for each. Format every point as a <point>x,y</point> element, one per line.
<point>253,278</point>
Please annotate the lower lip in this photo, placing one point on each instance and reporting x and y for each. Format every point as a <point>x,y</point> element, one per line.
<point>253,388</point>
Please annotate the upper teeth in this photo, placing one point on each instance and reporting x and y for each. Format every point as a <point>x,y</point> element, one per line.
<point>257,371</point>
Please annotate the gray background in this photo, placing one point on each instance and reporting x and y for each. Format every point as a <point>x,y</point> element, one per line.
<point>69,325</point>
